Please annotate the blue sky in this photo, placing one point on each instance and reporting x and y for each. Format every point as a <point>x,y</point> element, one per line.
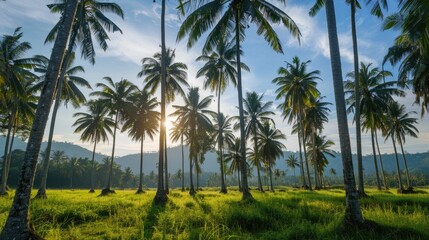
<point>141,38</point>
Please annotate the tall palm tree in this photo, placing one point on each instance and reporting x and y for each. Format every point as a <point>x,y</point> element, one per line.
<point>194,115</point>
<point>297,87</point>
<point>219,70</point>
<point>17,223</point>
<point>142,121</point>
<point>255,113</point>
<point>353,212</point>
<point>69,92</point>
<point>175,80</point>
<point>375,95</point>
<point>231,18</point>
<point>233,156</point>
<point>270,146</point>
<point>224,137</point>
<point>95,126</point>
<point>179,131</point>
<point>318,150</point>
<point>399,125</point>
<point>292,163</point>
<point>114,96</point>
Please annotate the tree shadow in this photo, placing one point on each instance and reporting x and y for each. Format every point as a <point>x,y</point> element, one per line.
<point>152,217</point>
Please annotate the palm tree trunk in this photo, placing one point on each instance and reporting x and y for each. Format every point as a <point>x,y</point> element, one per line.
<point>271,177</point>
<point>3,191</point>
<point>183,166</point>
<point>304,138</point>
<point>316,180</point>
<point>301,163</point>
<point>9,154</point>
<point>240,189</point>
<point>140,188</point>
<point>353,214</point>
<point>167,191</point>
<point>247,196</point>
<point>258,165</point>
<point>220,140</point>
<point>405,164</point>
<point>383,173</point>
<point>400,185</point>
<point>161,196</point>
<point>361,188</point>
<point>17,224</point>
<point>294,176</point>
<point>374,156</point>
<point>191,183</point>
<point>107,190</point>
<point>93,167</point>
<point>41,193</point>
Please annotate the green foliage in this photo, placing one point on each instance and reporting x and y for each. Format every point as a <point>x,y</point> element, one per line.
<point>293,214</point>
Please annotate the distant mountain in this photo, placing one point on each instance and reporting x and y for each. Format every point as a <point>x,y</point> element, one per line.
<point>416,161</point>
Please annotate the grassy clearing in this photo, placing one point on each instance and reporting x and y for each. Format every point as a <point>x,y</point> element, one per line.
<point>293,214</point>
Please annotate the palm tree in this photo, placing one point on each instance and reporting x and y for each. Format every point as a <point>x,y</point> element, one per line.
<point>17,223</point>
<point>114,96</point>
<point>353,212</point>
<point>234,157</point>
<point>297,87</point>
<point>270,147</point>
<point>230,18</point>
<point>224,137</point>
<point>68,91</point>
<point>95,127</point>
<point>255,113</point>
<point>317,152</point>
<point>376,93</point>
<point>292,163</point>
<point>193,115</point>
<point>179,131</point>
<point>142,121</point>
<point>219,70</point>
<point>399,125</point>
<point>175,79</point>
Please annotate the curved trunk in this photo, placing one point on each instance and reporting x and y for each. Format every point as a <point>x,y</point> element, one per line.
<point>17,224</point>
<point>183,166</point>
<point>140,188</point>
<point>374,156</point>
<point>361,188</point>
<point>383,173</point>
<point>245,186</point>
<point>405,164</point>
<point>161,196</point>
<point>93,168</point>
<point>353,212</point>
<point>220,142</point>
<point>400,185</point>
<point>301,163</point>
<point>5,156</point>
<point>167,191</point>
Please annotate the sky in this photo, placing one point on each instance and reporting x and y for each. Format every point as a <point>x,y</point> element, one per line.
<point>141,38</point>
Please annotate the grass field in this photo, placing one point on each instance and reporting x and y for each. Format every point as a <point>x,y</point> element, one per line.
<point>292,214</point>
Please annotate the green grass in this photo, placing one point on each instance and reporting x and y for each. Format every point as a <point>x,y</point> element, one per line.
<point>293,214</point>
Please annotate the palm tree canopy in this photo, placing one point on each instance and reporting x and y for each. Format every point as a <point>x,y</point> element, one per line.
<point>269,142</point>
<point>292,161</point>
<point>318,152</point>
<point>91,23</point>
<point>94,125</point>
<point>175,74</point>
<point>376,8</point>
<point>221,16</point>
<point>256,112</point>
<point>400,124</point>
<point>296,86</point>
<point>223,123</point>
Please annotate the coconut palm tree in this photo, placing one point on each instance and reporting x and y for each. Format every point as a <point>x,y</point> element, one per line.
<point>292,163</point>
<point>353,212</point>
<point>17,223</point>
<point>270,146</point>
<point>231,18</point>
<point>297,87</point>
<point>175,80</point>
<point>94,126</point>
<point>255,113</point>
<point>179,131</point>
<point>219,71</point>
<point>400,124</point>
<point>233,156</point>
<point>375,95</point>
<point>114,96</point>
<point>224,137</point>
<point>318,150</point>
<point>69,92</point>
<point>194,115</point>
<point>142,121</point>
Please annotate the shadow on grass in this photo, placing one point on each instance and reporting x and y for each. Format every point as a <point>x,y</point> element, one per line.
<point>152,217</point>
